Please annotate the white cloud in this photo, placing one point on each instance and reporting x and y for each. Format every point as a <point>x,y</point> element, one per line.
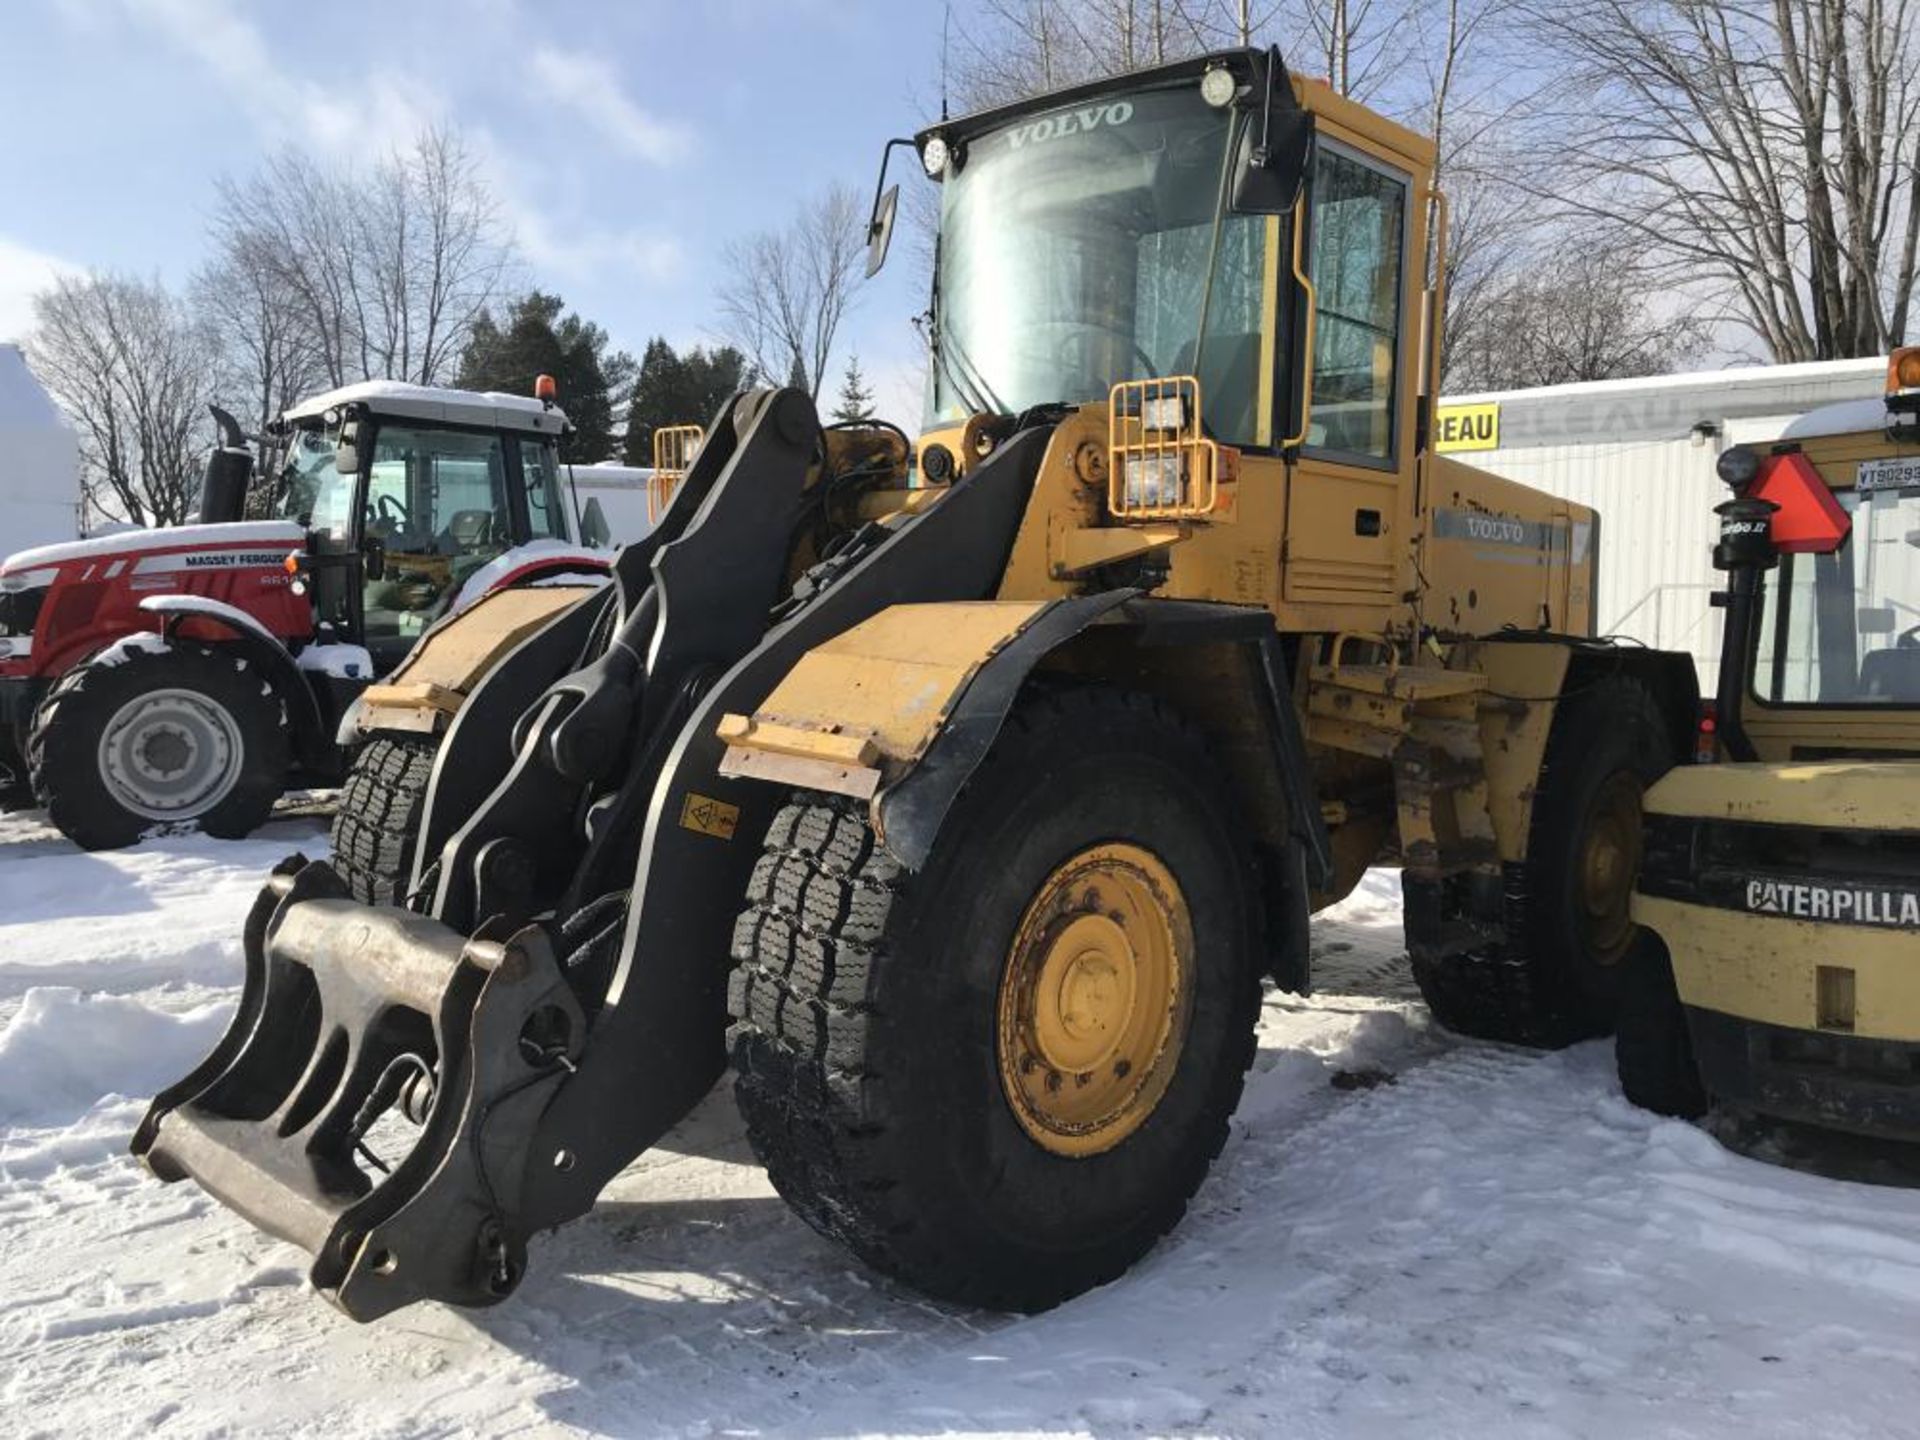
<point>379,111</point>
<point>589,87</point>
<point>25,271</point>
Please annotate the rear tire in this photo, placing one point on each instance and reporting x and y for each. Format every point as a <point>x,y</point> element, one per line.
<point>885,1019</point>
<point>1553,977</point>
<point>377,825</point>
<point>189,734</point>
<point>1652,1047</point>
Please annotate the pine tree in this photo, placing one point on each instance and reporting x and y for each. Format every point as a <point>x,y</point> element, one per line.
<point>676,389</point>
<point>856,401</point>
<point>540,339</point>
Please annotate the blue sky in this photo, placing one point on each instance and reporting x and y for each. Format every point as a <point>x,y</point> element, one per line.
<point>626,142</point>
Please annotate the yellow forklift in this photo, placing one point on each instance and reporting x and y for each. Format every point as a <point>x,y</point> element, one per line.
<point>1780,888</point>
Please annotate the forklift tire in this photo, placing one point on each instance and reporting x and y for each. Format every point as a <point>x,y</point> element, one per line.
<point>1001,1079</point>
<point>1652,1046</point>
<point>378,822</point>
<point>186,734</point>
<point>1553,977</point>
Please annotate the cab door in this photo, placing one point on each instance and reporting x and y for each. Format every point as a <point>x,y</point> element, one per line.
<point>1351,469</point>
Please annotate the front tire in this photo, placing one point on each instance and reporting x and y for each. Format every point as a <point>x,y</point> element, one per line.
<point>1652,1047</point>
<point>1001,1079</point>
<point>377,825</point>
<point>185,734</point>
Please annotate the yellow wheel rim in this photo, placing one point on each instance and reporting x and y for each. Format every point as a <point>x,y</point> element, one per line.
<point>1610,865</point>
<point>1094,999</point>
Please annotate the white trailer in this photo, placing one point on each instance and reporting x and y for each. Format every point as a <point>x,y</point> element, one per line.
<point>621,493</point>
<point>39,461</point>
<point>1642,453</point>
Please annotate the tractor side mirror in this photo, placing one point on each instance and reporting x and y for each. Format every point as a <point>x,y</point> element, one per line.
<point>880,230</point>
<point>346,449</point>
<point>373,558</point>
<point>595,533</point>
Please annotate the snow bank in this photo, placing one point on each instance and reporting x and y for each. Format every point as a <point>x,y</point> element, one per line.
<point>63,1052</point>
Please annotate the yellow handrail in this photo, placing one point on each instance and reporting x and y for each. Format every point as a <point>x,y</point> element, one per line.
<point>1306,351</point>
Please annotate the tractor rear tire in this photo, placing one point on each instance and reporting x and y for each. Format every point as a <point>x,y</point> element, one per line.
<point>895,1046</point>
<point>378,822</point>
<point>139,738</point>
<point>1652,1046</point>
<point>1553,977</point>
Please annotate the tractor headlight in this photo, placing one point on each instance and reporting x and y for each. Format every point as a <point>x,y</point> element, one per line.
<point>1153,481</point>
<point>1218,87</point>
<point>935,156</point>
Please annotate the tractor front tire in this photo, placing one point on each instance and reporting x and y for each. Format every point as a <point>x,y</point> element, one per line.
<point>378,822</point>
<point>1000,1079</point>
<point>1565,932</point>
<point>185,734</point>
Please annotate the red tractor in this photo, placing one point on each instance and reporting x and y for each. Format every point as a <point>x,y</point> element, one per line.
<point>192,674</point>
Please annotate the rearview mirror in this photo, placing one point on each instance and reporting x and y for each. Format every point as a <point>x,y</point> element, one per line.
<point>1274,149</point>
<point>1877,620</point>
<point>346,449</point>
<point>595,533</point>
<point>880,230</point>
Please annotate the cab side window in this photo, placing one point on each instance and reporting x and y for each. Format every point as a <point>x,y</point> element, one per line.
<point>1358,251</point>
<point>546,515</point>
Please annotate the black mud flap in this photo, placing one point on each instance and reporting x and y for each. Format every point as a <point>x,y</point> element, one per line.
<point>350,1018</point>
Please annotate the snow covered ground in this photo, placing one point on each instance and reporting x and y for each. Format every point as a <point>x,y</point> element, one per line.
<point>1492,1243</point>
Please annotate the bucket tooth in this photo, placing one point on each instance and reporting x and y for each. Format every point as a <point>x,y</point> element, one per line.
<point>344,1009</point>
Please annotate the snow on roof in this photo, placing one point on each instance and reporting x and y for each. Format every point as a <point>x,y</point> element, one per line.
<point>432,402</point>
<point>1848,417</point>
<point>1732,378</point>
<point>1668,407</point>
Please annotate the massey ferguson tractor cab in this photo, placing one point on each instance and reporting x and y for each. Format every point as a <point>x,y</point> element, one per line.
<point>192,673</point>
<point>1784,882</point>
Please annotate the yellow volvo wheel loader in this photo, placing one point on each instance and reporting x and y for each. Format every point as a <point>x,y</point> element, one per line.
<point>964,802</point>
<point>1784,882</point>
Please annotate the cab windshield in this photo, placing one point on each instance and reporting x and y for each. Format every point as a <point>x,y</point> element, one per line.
<point>1074,250</point>
<point>314,494</point>
<point>1844,629</point>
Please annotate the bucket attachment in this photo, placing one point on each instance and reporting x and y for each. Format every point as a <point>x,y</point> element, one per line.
<point>354,1020</point>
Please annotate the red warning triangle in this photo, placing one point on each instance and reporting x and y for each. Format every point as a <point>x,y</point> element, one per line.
<point>1810,521</point>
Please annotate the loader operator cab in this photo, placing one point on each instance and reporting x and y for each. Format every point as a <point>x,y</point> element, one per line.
<point>1117,238</point>
<point>414,502</point>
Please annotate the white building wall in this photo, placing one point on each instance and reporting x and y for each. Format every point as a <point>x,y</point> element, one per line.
<point>39,462</point>
<point>1642,454</point>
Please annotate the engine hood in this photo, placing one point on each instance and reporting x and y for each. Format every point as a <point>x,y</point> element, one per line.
<point>1829,795</point>
<point>148,542</point>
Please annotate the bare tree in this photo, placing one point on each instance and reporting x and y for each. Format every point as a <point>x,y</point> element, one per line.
<point>1574,313</point>
<point>387,269</point>
<point>1763,150</point>
<point>131,366</point>
<point>269,357</point>
<point>787,290</point>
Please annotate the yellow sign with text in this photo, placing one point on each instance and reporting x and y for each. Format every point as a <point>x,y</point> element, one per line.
<point>1466,427</point>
